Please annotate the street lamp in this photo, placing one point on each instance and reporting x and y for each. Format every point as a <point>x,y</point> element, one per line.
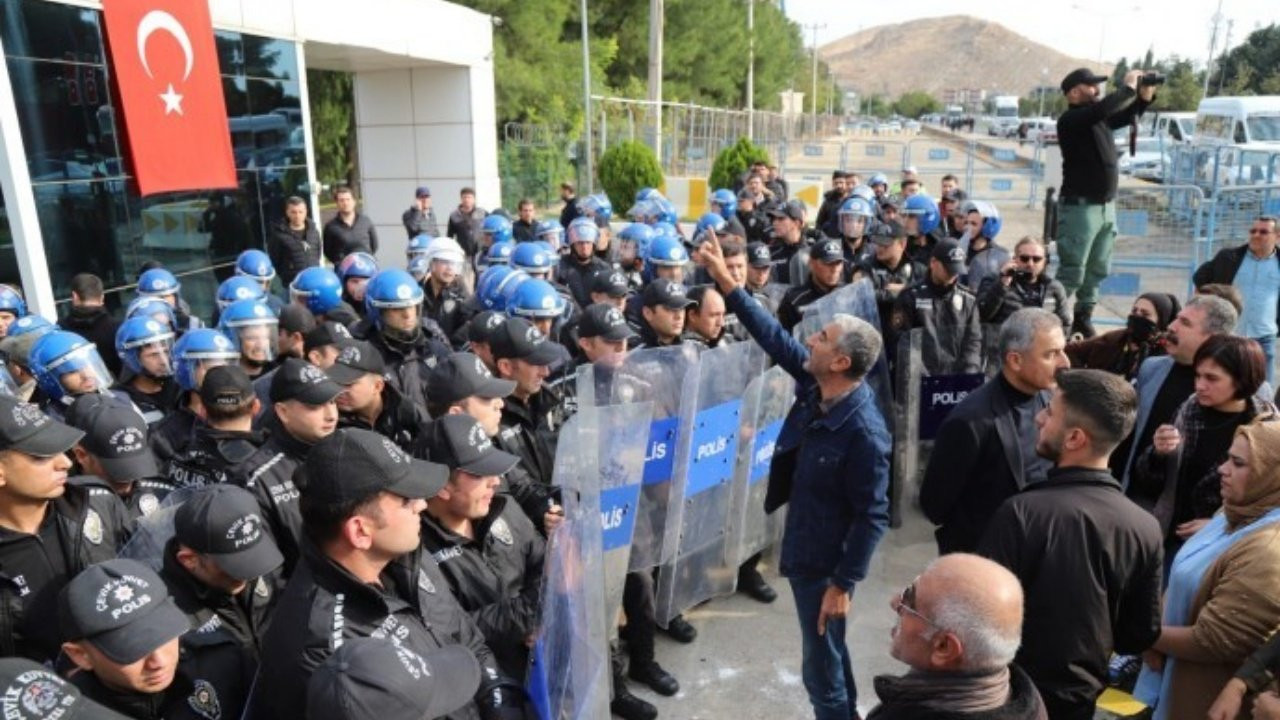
<point>586,95</point>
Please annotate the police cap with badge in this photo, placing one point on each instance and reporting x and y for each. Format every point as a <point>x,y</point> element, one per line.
<point>481,327</point>
<point>518,339</point>
<point>604,321</point>
<point>122,608</point>
<point>23,427</point>
<point>667,293</point>
<point>224,523</point>
<point>30,691</point>
<point>115,434</point>
<point>462,375</point>
<point>354,361</point>
<point>827,252</point>
<point>610,282</point>
<point>300,380</point>
<point>758,255</point>
<point>460,442</point>
<point>949,253</point>
<point>352,465</point>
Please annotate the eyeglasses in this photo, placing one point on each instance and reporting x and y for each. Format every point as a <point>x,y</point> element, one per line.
<point>1031,258</point>
<point>907,603</point>
<point>1259,231</point>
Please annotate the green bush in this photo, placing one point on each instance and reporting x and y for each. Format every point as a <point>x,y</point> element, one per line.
<point>733,161</point>
<point>624,169</point>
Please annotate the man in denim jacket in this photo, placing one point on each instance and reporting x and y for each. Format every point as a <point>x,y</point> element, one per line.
<point>832,465</point>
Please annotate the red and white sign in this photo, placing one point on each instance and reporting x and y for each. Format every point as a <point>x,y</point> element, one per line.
<point>166,67</point>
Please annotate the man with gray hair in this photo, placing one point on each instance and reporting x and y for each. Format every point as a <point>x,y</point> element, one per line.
<point>959,626</point>
<point>831,463</point>
<point>982,453</point>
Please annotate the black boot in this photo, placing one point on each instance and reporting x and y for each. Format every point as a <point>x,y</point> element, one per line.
<point>652,674</point>
<point>1082,323</point>
<point>628,706</point>
<point>752,583</point>
<point>680,630</point>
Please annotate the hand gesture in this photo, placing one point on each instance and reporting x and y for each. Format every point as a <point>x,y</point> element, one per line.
<point>713,259</point>
<point>1166,439</point>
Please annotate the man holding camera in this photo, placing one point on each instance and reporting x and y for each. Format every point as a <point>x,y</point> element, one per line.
<point>1087,213</point>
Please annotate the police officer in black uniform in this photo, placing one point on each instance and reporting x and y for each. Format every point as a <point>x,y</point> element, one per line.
<point>890,270</point>
<point>305,412</point>
<point>483,542</point>
<point>663,307</point>
<point>363,573</point>
<point>444,298</point>
<point>945,311</point>
<point>372,678</point>
<point>224,442</point>
<point>368,401</point>
<point>578,266</point>
<point>759,280</point>
<point>826,273</point>
<point>136,652</point>
<point>49,530</point>
<point>114,451</point>
<point>523,355</point>
<point>790,247</point>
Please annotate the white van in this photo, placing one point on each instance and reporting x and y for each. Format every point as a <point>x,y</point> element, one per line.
<point>1238,121</point>
<point>1178,127</point>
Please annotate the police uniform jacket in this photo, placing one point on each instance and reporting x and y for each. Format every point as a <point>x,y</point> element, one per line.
<point>948,317</point>
<point>214,456</point>
<point>525,433</point>
<point>790,262</point>
<point>241,617</point>
<point>408,363</point>
<point>907,273</point>
<point>401,420</point>
<point>170,436</point>
<point>324,604</point>
<point>577,276</point>
<point>856,252</point>
<point>446,309</point>
<point>791,309</point>
<point>268,474</point>
<point>87,525</point>
<point>153,406</point>
<point>755,224</point>
<point>143,499</point>
<point>496,577</point>
<point>211,684</point>
<point>996,301</point>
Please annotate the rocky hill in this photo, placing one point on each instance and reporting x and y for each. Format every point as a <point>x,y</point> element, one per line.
<point>956,52</point>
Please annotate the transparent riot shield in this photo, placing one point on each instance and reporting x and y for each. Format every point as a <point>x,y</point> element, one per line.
<point>623,436</point>
<point>666,377</point>
<point>765,405</point>
<point>858,299</point>
<point>697,571</point>
<point>567,676</point>
<point>927,390</point>
<point>152,532</point>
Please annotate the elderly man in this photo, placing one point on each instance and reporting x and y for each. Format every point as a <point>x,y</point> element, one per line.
<point>982,454</point>
<point>1254,269</point>
<point>832,465</point>
<point>959,626</point>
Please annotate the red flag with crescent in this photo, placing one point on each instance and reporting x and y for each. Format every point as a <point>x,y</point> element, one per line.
<point>166,67</point>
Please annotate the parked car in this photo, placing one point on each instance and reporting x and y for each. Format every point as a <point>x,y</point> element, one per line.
<point>1148,162</point>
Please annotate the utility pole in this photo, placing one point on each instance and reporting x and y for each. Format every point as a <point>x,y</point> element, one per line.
<point>586,95</point>
<point>1213,46</point>
<point>656,23</point>
<point>751,70</point>
<point>813,103</point>
<point>1222,74</point>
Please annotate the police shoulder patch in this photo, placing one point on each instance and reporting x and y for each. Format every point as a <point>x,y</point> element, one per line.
<point>501,532</point>
<point>93,527</point>
<point>204,700</point>
<point>148,503</point>
<point>425,584</point>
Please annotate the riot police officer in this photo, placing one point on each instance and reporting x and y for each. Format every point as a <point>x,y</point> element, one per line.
<point>194,354</point>
<point>524,355</point>
<point>945,311</point>
<point>890,270</point>
<point>826,273</point>
<point>354,272</point>
<point>145,349</point>
<point>114,451</point>
<point>409,343</point>
<point>581,264</point>
<point>225,440</point>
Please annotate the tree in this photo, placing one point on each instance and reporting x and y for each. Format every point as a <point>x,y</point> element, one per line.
<point>1117,75</point>
<point>1182,87</point>
<point>915,103</point>
<point>626,168</point>
<point>1251,68</point>
<point>733,161</point>
<point>332,105</point>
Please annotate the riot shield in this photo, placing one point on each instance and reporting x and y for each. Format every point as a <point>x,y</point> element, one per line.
<point>152,532</point>
<point>567,678</point>
<point>858,299</point>
<point>697,572</point>
<point>623,432</point>
<point>926,394</point>
<point>765,405</point>
<point>667,378</point>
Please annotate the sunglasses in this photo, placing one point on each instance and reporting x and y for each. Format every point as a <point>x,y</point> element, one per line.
<point>1031,258</point>
<point>907,603</point>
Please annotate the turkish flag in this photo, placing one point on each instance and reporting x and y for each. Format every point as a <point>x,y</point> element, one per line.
<point>166,67</point>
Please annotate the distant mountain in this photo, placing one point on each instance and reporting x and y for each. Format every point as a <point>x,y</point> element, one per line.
<point>953,53</point>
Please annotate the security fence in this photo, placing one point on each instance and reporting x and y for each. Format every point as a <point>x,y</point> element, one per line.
<point>1215,168</point>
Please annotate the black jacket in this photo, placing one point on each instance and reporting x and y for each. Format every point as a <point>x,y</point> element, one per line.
<point>157,406</point>
<point>97,326</point>
<point>948,316</point>
<point>1223,266</point>
<point>214,456</point>
<point>1090,561</point>
<point>976,465</point>
<point>144,496</point>
<point>341,239</point>
<point>448,309</point>
<point>906,274</point>
<point>242,617</point>
<point>409,364</point>
<point>324,604</point>
<point>828,220</point>
<point>401,420</point>
<point>497,577</point>
<point>755,224</point>
<point>465,228</point>
<point>86,525</point>
<point>526,433</point>
<point>577,276</point>
<point>996,301</point>
<point>292,251</point>
<point>268,474</point>
<point>171,436</point>
<point>791,309</point>
<point>418,223</point>
<point>901,704</point>
<point>1088,145</point>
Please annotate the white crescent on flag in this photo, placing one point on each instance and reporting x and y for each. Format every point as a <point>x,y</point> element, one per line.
<point>161,20</point>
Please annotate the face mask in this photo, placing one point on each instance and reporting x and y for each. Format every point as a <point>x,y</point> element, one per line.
<point>1141,329</point>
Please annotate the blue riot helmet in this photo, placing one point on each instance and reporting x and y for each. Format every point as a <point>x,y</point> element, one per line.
<point>551,233</point>
<point>667,252</point>
<point>500,253</point>
<point>709,221</point>
<point>359,265</point>
<point>644,211</point>
<point>11,302</point>
<point>536,299</point>
<point>865,192</point>
<point>925,212</point>
<point>418,245</point>
<point>646,193</point>
<point>665,229</point>
<point>597,205</point>
<point>634,241</point>
<point>393,289</point>
<point>197,351</point>
<point>582,237</point>
<point>506,290</point>
<point>255,264</point>
<point>316,288</point>
<point>496,228</point>
<point>66,365</point>
<point>37,324</point>
<point>533,258</point>
<point>488,283</point>
<point>419,268</point>
<point>878,179</point>
<point>253,329</point>
<point>666,210</point>
<point>145,346</point>
<point>236,288</point>
<point>158,283</point>
<point>855,215</point>
<point>725,202</point>
<point>991,222</point>
<point>154,308</point>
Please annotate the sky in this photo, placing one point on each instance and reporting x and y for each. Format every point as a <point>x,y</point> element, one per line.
<point>1075,27</point>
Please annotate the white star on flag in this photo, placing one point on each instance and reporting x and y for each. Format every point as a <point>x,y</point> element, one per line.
<point>172,101</point>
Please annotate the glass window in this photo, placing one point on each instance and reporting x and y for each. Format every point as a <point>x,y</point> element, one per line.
<point>269,58</point>
<point>51,31</point>
<point>8,260</point>
<point>68,125</point>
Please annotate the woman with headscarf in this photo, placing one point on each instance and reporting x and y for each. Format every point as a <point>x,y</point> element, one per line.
<point>1223,598</point>
<point>1122,351</point>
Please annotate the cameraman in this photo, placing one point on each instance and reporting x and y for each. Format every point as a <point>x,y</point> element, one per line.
<point>1023,282</point>
<point>1087,212</point>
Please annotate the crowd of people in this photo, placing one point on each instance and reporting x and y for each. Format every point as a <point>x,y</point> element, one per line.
<point>338,504</point>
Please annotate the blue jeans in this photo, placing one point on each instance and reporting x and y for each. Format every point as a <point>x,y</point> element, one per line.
<point>1269,350</point>
<point>827,672</point>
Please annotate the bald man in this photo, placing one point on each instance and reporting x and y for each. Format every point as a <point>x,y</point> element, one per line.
<point>959,626</point>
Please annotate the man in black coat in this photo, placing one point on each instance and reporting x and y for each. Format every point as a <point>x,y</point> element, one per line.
<point>1089,559</point>
<point>90,319</point>
<point>982,454</point>
<point>294,245</point>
